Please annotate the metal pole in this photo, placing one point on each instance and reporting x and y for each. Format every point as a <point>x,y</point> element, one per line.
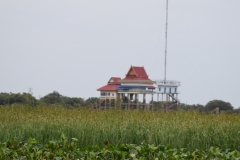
<point>166,41</point>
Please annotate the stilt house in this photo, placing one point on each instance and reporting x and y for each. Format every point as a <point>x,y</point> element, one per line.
<point>127,90</point>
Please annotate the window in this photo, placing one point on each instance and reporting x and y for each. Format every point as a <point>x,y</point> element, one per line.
<point>170,90</point>
<point>159,88</point>
<point>175,90</point>
<point>105,94</point>
<point>164,90</point>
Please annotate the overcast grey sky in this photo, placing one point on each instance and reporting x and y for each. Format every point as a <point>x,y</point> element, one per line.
<point>75,46</point>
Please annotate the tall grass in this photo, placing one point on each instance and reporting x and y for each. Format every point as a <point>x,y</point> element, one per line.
<point>179,129</point>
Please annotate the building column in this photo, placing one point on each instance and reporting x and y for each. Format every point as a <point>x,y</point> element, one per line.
<point>137,102</point>
<point>144,101</point>
<point>128,97</point>
<point>162,105</point>
<point>152,102</point>
<point>115,101</point>
<point>178,104</point>
<point>121,100</point>
<point>99,107</point>
<point>105,103</point>
<point>109,103</point>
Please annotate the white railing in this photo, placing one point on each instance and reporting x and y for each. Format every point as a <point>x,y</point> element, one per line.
<point>167,83</point>
<point>136,91</point>
<point>162,92</point>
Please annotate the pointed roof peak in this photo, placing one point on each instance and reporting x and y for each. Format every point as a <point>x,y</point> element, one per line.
<point>136,72</point>
<point>114,80</point>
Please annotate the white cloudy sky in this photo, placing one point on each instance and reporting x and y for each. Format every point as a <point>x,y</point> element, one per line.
<point>75,46</point>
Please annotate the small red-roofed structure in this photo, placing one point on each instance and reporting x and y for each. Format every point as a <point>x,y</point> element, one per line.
<point>112,85</point>
<point>110,90</point>
<point>108,93</point>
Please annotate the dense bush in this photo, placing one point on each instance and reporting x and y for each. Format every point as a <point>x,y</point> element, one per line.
<point>18,98</point>
<point>64,149</point>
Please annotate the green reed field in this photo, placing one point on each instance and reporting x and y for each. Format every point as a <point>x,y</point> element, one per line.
<point>180,129</point>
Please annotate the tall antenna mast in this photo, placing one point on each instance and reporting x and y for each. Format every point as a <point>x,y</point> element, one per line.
<point>168,88</point>
<point>165,64</point>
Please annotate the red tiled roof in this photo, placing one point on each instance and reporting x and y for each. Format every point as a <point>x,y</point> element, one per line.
<point>136,73</point>
<point>112,85</point>
<point>115,80</point>
<point>109,87</point>
<point>140,71</point>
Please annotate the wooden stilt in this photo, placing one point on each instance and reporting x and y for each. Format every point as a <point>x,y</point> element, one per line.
<point>144,101</point>
<point>152,102</point>
<point>128,97</point>
<point>137,102</point>
<point>105,103</point>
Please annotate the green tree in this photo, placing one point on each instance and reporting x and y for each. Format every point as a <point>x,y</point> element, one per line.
<point>17,98</point>
<point>237,110</point>
<point>73,101</point>
<point>52,98</point>
<point>223,106</point>
<point>91,101</point>
<point>197,107</point>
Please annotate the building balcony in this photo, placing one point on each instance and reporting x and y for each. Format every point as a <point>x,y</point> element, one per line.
<point>167,83</point>
<point>162,92</point>
<point>136,91</point>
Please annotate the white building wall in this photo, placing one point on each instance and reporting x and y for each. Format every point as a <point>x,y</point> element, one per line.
<point>162,89</point>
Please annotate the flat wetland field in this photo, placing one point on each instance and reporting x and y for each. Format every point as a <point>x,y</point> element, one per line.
<point>179,129</point>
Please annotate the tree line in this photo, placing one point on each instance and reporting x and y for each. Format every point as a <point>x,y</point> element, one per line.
<point>53,98</point>
<point>210,107</point>
<point>56,98</point>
